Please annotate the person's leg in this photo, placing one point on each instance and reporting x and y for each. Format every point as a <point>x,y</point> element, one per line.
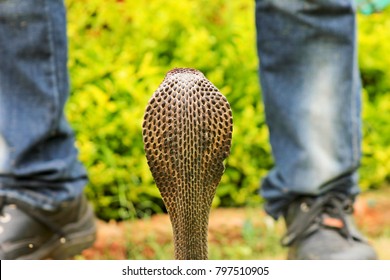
<point>311,92</point>
<point>38,161</point>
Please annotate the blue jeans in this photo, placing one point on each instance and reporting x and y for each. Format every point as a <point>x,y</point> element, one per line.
<point>38,160</point>
<point>311,91</point>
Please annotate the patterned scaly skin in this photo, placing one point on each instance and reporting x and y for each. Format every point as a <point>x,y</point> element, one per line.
<point>187,132</point>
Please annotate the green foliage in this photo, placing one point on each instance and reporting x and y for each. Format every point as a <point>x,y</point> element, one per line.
<point>374,58</point>
<point>119,54</point>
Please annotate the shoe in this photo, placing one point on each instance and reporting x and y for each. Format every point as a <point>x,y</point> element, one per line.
<point>30,233</point>
<point>322,228</point>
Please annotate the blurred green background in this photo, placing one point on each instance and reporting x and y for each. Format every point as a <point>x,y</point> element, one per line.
<point>120,51</point>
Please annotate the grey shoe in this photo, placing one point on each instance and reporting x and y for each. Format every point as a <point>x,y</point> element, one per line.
<point>30,233</point>
<point>323,228</point>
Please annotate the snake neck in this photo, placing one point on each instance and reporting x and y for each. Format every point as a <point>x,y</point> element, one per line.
<point>190,235</point>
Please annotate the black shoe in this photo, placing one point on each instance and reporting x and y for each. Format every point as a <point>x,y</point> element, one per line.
<point>323,228</point>
<point>30,233</point>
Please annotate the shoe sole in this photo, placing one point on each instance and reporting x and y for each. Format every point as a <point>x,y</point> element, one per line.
<point>79,236</point>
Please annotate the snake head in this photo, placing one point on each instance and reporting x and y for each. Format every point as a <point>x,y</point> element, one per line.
<point>187,133</point>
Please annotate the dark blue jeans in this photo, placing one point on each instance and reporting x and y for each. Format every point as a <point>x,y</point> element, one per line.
<point>38,160</point>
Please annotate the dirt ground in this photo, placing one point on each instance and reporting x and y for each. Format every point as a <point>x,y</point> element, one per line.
<point>372,212</point>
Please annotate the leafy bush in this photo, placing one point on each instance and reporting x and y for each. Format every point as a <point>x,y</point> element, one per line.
<point>119,54</point>
<point>374,58</point>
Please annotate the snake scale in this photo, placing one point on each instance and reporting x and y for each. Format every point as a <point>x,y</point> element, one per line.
<point>187,132</point>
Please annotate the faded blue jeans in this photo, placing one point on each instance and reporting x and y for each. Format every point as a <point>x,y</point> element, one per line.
<point>311,91</point>
<point>38,160</point>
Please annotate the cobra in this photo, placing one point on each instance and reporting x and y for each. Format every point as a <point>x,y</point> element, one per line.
<point>187,133</point>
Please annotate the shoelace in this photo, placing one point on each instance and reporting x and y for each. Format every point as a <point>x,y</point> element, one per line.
<point>2,204</point>
<point>336,205</point>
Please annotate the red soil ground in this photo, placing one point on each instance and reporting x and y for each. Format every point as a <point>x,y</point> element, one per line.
<point>372,212</point>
